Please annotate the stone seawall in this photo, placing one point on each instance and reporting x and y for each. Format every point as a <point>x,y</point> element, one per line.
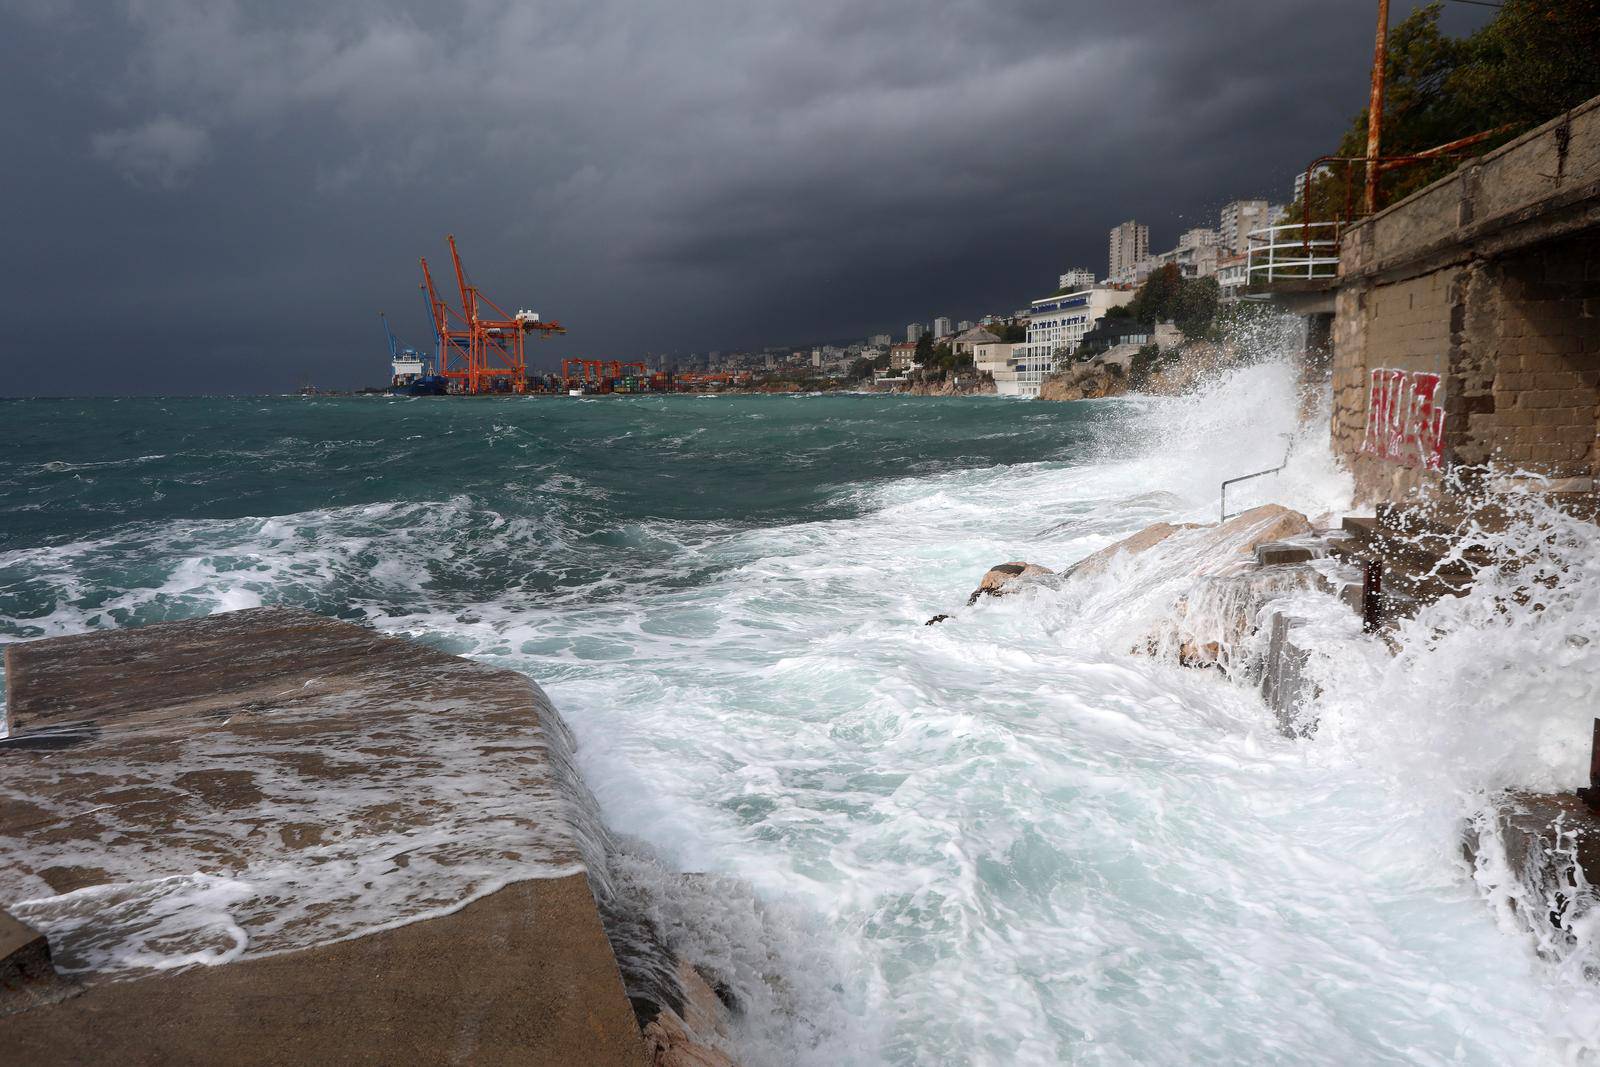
<point>1466,331</point>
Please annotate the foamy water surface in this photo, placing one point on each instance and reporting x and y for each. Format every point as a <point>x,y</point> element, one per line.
<point>1002,839</point>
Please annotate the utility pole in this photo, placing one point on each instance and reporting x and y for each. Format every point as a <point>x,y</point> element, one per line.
<point>1380,63</point>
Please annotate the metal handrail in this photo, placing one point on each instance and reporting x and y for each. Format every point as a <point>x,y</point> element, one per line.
<point>1316,245</point>
<point>1222,503</point>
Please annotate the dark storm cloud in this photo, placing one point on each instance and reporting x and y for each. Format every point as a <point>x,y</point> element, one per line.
<point>216,196</point>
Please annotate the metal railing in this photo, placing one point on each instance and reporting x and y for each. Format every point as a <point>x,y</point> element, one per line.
<point>1222,503</point>
<point>1297,251</point>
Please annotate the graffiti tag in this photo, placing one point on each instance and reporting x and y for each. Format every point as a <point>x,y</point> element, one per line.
<point>1405,418</point>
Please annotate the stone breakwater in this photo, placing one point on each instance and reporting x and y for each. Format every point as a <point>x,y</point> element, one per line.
<point>268,836</point>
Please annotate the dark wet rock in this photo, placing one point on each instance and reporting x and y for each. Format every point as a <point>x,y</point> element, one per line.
<point>28,977</point>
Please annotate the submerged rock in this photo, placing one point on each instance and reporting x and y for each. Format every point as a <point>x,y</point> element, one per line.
<point>673,1040</point>
<point>1217,548</point>
<point>1000,580</point>
<point>1146,538</point>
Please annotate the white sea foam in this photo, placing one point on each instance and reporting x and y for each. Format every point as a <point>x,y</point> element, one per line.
<point>1005,839</point>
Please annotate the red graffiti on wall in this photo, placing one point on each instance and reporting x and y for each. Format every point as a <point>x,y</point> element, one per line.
<point>1405,419</point>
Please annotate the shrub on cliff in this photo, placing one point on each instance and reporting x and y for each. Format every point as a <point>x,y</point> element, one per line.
<point>1143,364</point>
<point>1167,296</point>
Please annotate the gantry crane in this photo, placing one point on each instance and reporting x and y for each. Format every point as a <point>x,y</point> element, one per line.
<point>474,350</point>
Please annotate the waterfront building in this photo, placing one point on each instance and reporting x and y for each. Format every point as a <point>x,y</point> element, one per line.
<point>1130,243</point>
<point>994,358</point>
<point>941,328</point>
<point>903,356</point>
<point>1056,325</point>
<point>1236,222</point>
<point>914,333</point>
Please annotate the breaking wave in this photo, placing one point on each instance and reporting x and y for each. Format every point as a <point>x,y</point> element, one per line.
<point>1003,839</point>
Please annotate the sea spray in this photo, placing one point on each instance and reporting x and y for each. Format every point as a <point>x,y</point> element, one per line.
<point>1004,839</point>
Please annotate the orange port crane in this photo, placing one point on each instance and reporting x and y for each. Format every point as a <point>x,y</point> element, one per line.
<point>475,350</point>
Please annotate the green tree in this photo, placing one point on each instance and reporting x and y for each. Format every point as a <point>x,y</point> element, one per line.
<point>1144,361</point>
<point>1533,60</point>
<point>924,353</point>
<point>1194,309</point>
<point>1158,296</point>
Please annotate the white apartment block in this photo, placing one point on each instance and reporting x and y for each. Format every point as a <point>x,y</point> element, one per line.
<point>1077,278</point>
<point>1196,255</point>
<point>1055,327</point>
<point>1300,179</point>
<point>942,327</point>
<point>1236,222</point>
<point>914,333</point>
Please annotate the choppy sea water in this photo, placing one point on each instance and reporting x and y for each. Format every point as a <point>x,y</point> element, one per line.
<point>1003,839</point>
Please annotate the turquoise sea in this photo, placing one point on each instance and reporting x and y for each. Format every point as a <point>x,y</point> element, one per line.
<point>1008,838</point>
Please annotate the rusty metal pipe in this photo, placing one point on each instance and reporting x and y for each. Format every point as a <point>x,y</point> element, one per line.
<point>1380,62</point>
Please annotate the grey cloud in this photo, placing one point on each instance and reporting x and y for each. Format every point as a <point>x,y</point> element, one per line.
<point>163,151</point>
<point>700,174</point>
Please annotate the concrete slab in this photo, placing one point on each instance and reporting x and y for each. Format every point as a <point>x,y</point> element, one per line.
<point>379,847</point>
<point>503,981</point>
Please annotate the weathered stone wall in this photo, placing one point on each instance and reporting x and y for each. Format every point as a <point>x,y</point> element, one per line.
<point>1533,347</point>
<point>1404,326</point>
<point>1467,323</point>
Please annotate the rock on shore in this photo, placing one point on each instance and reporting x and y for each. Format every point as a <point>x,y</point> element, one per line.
<point>1006,578</point>
<point>1087,381</point>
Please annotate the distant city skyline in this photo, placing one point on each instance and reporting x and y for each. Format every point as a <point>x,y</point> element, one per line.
<point>235,198</point>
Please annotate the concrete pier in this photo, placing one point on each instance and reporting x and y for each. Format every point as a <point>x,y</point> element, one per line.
<point>377,845</point>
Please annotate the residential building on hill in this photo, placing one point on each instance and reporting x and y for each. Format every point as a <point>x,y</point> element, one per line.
<point>942,328</point>
<point>913,332</point>
<point>967,340</point>
<point>903,356</point>
<point>1321,170</point>
<point>1195,256</point>
<point>1077,278</point>
<point>1236,222</point>
<point>1130,243</point>
<point>1232,275</point>
<point>1056,325</point>
<point>994,359</point>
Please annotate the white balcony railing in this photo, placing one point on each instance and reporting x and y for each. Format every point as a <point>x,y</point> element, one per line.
<point>1293,251</point>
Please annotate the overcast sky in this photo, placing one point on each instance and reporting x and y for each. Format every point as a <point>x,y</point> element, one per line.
<point>220,197</point>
